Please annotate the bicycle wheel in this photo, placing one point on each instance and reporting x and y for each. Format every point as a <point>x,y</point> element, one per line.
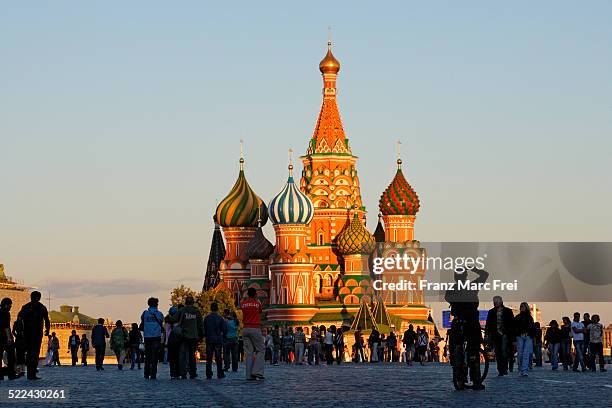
<point>459,369</point>
<point>485,369</point>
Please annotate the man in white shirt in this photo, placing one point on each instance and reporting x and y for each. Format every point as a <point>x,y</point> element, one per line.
<point>578,333</point>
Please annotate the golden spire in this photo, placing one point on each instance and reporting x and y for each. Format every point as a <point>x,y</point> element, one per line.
<point>241,154</point>
<point>329,64</point>
<point>290,163</point>
<point>399,160</point>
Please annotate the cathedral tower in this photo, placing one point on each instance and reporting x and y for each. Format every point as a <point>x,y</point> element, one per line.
<point>291,289</point>
<point>330,180</point>
<point>238,215</point>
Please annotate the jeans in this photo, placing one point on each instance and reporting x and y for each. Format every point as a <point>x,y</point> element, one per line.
<point>524,347</point>
<point>578,346</point>
<point>538,354</point>
<point>152,345</point>
<point>230,354</point>
<point>100,350</point>
<point>313,353</point>
<point>502,350</point>
<point>254,348</point>
<point>566,354</point>
<point>594,350</point>
<point>409,353</point>
<point>339,352</point>
<point>74,352</point>
<point>214,349</point>
<point>187,361</point>
<point>554,354</point>
<point>299,353</point>
<point>134,357</point>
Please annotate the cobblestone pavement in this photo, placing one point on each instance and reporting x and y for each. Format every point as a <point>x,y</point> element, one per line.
<point>361,385</point>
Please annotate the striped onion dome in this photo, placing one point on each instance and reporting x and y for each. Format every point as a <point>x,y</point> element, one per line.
<point>355,238</point>
<point>241,207</point>
<point>259,247</point>
<point>399,198</point>
<point>291,206</point>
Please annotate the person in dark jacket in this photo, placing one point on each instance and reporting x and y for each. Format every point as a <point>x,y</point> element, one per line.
<point>525,332</point>
<point>84,349</point>
<point>7,342</point>
<point>499,331</point>
<point>134,339</point>
<point>99,334</point>
<point>73,347</point>
<point>566,343</point>
<point>189,319</point>
<point>537,345</point>
<point>215,329</point>
<point>34,315</point>
<point>552,340</point>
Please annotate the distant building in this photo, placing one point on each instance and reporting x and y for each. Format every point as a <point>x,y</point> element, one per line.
<point>16,291</point>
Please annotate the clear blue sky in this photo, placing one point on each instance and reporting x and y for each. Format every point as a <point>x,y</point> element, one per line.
<point>120,122</point>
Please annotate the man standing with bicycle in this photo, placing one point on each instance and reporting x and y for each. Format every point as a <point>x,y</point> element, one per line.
<point>465,327</point>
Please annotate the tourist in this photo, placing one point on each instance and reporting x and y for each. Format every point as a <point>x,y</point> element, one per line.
<point>287,345</point>
<point>359,356</point>
<point>578,331</point>
<point>84,349</point>
<point>537,344</point>
<point>49,355</point>
<point>313,346</point>
<point>391,347</point>
<point>339,344</point>
<point>373,343</point>
<point>34,314</point>
<point>73,347</point>
<point>215,329</point>
<point>586,321</point>
<point>151,324</point>
<point>382,348</point>
<point>99,334</point>
<point>7,343</point>
<point>134,339</point>
<point>321,342</point>
<point>329,345</point>
<point>230,343</point>
<point>173,343</point>
<point>595,330</point>
<point>119,341</point>
<point>422,342</point>
<point>525,331</point>
<point>55,346</point>
<point>276,346</point>
<point>253,339</point>
<point>552,340</point>
<point>409,341</point>
<point>20,347</point>
<point>566,343</point>
<point>498,329</point>
<point>299,341</point>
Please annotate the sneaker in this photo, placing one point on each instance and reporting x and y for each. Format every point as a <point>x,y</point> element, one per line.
<point>260,376</point>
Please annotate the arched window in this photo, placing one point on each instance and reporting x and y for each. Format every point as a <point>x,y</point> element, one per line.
<point>320,238</point>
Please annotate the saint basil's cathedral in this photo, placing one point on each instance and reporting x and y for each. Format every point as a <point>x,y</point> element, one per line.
<point>317,271</point>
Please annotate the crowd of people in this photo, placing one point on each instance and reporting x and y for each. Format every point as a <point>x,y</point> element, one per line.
<point>520,335</point>
<point>175,339</point>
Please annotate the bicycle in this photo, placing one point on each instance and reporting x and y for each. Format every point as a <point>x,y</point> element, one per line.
<point>459,358</point>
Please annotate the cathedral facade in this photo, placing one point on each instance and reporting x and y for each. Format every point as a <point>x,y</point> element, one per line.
<point>317,270</point>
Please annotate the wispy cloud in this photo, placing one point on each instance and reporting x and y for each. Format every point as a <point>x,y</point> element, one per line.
<point>65,288</point>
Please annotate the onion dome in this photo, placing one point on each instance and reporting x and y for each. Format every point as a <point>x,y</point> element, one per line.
<point>355,238</point>
<point>259,247</point>
<point>291,206</point>
<point>329,64</point>
<point>399,198</point>
<point>241,207</point>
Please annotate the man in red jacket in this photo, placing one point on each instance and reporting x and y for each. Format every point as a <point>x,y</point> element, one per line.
<point>254,346</point>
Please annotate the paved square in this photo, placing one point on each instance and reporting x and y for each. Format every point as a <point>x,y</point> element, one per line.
<point>365,385</point>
